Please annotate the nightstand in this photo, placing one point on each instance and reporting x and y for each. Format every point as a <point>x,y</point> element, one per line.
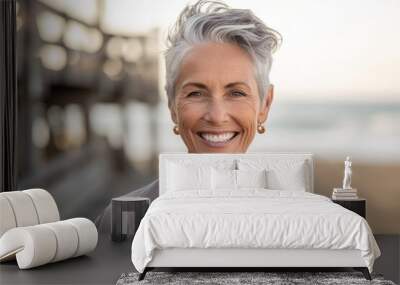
<point>358,206</point>
<point>126,214</point>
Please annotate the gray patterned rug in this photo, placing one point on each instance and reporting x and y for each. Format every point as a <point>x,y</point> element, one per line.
<point>269,278</point>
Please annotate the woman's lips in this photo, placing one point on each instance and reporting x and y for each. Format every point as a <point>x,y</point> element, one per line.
<point>220,139</point>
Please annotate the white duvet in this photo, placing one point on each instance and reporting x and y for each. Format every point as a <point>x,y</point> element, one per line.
<point>252,218</point>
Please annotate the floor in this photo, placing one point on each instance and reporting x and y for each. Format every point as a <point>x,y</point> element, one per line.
<point>389,262</point>
<point>110,260</point>
<point>102,266</point>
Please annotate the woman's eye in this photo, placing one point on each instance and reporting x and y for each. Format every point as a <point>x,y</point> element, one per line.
<point>238,94</point>
<point>194,94</point>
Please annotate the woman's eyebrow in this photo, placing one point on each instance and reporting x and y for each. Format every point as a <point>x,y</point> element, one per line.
<point>237,83</point>
<point>195,84</point>
<point>203,86</point>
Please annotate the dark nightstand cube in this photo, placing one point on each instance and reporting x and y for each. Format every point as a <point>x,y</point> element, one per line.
<point>358,206</point>
<point>126,214</point>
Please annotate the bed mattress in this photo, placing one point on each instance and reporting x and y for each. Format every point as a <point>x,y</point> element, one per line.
<point>250,219</point>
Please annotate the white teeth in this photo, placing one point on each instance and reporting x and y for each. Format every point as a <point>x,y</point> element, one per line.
<point>218,138</point>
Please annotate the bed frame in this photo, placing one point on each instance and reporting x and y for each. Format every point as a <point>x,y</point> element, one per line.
<point>236,259</point>
<point>250,259</point>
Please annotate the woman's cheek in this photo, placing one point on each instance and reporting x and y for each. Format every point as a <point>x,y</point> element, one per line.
<point>189,116</point>
<point>189,113</point>
<point>245,114</point>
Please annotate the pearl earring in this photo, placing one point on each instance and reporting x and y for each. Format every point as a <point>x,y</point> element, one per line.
<point>260,128</point>
<point>176,130</point>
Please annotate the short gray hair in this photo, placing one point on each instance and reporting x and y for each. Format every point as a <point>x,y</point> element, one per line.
<point>214,21</point>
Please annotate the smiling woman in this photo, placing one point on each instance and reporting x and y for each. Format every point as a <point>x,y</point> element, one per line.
<point>217,65</point>
<point>218,61</point>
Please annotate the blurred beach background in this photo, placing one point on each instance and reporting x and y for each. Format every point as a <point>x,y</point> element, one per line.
<point>94,114</point>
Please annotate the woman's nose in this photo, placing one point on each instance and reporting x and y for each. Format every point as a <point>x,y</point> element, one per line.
<point>217,112</point>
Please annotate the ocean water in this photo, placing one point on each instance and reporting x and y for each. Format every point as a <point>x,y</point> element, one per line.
<point>367,131</point>
<point>364,131</point>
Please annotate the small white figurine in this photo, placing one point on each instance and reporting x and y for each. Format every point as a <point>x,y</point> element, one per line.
<point>347,174</point>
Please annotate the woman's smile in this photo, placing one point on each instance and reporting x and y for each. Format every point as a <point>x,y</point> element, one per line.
<point>217,139</point>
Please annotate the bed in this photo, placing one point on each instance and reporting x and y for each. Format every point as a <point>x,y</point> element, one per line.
<point>247,211</point>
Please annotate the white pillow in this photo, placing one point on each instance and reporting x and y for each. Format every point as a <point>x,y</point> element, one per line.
<point>223,179</point>
<point>227,179</point>
<point>251,178</point>
<point>184,177</point>
<point>287,179</point>
<point>282,174</point>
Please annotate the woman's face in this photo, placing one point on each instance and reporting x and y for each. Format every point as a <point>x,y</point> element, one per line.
<point>217,105</point>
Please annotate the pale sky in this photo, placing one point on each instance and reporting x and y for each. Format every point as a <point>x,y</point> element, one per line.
<point>331,49</point>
